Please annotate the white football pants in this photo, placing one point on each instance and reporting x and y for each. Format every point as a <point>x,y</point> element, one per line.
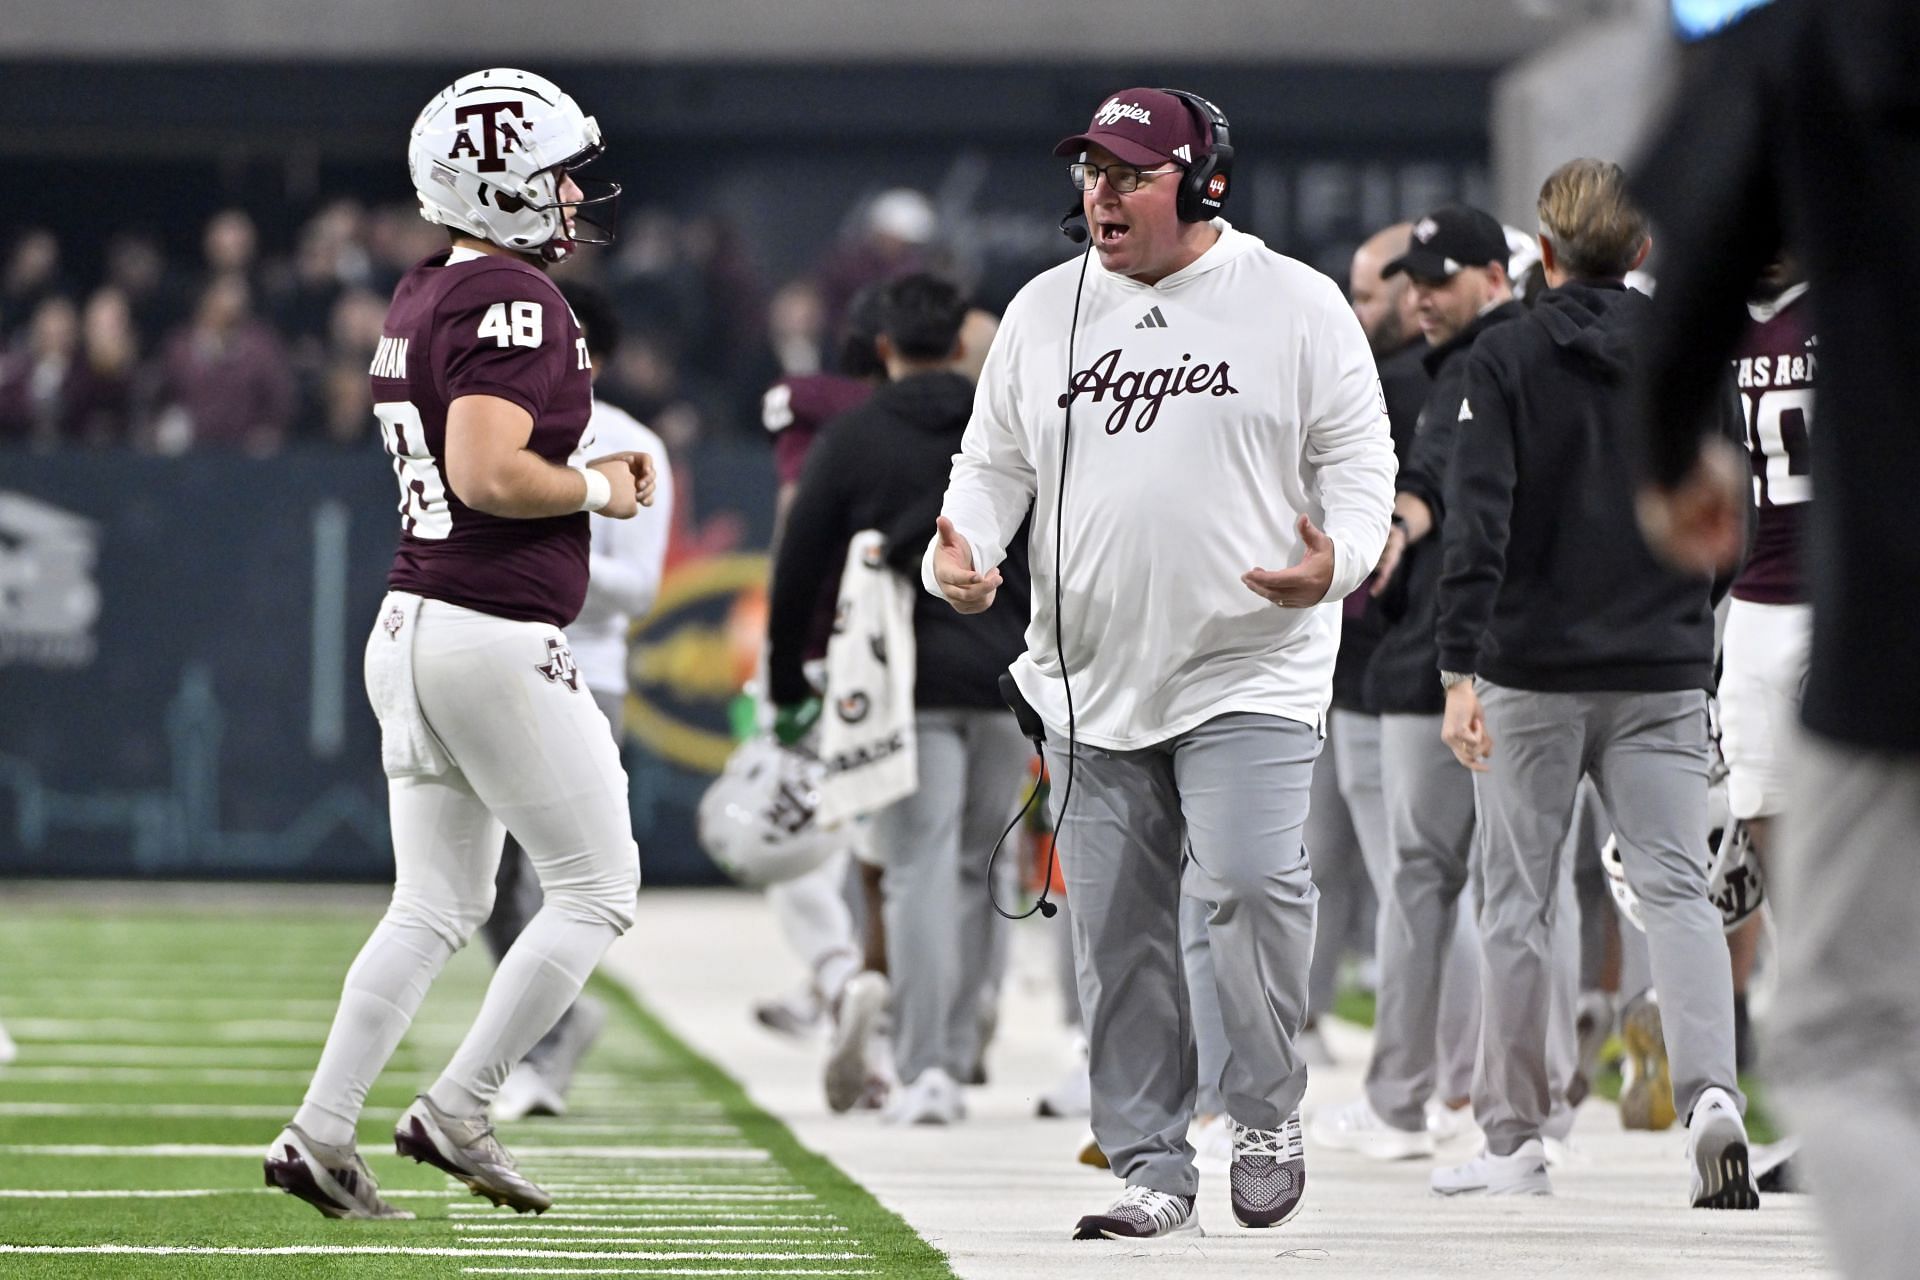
<point>532,755</point>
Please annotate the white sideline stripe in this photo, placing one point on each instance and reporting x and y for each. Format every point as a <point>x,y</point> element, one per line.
<point>660,1230</point>
<point>420,1251</point>
<point>221,1008</point>
<point>255,1150</point>
<point>679,1239</point>
<point>188,1193</point>
<point>640,1187</point>
<point>657,1271</point>
<point>201,1110</point>
<point>163,1030</point>
<point>688,1215</point>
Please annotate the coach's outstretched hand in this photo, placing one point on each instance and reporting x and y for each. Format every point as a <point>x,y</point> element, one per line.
<point>1304,585</point>
<point>965,588</point>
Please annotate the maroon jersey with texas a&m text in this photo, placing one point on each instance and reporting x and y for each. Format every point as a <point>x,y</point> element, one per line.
<point>1774,368</point>
<point>483,325</point>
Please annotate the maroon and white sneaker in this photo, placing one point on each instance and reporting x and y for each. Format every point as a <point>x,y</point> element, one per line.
<point>1269,1173</point>
<point>465,1147</point>
<point>1141,1214</point>
<point>334,1180</point>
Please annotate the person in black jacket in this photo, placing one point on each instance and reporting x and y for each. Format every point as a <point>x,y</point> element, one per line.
<point>1800,124</point>
<point>884,466</point>
<point>1592,659</point>
<point>1455,262</point>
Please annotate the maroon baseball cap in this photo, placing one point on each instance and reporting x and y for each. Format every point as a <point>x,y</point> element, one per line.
<point>1145,127</point>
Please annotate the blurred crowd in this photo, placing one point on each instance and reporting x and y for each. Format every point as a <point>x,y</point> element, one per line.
<point>235,346</point>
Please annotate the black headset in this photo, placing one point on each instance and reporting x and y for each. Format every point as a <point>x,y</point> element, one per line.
<point>1203,192</point>
<point>1206,183</point>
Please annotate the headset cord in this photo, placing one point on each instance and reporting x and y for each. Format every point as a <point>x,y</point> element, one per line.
<point>1043,904</point>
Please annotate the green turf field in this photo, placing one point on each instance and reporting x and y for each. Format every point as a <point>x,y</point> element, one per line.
<point>161,1049</point>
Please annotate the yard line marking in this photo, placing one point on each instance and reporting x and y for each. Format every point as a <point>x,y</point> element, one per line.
<point>119,1030</point>
<point>164,1055</point>
<point>156,1075</point>
<point>745,1154</point>
<point>189,1193</point>
<point>459,1211</point>
<point>178,1110</point>
<point>416,1251</point>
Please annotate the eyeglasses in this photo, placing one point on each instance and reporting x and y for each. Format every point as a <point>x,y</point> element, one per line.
<point>1123,178</point>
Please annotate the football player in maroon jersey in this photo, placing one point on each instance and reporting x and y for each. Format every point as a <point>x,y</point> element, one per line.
<point>483,389</point>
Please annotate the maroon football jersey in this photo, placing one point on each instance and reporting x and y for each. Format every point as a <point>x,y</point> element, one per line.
<point>1775,370</point>
<point>795,408</point>
<point>489,326</point>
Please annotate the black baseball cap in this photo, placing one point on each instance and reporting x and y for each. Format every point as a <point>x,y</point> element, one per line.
<point>1450,238</point>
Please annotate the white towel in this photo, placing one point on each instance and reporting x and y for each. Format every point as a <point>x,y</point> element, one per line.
<point>866,729</point>
<point>408,746</point>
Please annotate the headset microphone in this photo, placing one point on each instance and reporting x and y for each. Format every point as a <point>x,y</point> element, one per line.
<point>1076,234</point>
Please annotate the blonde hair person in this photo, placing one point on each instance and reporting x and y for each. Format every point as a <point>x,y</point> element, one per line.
<point>1589,227</point>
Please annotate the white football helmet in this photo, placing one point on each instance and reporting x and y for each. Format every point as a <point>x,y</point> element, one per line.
<point>759,820</point>
<point>487,155</point>
<point>1734,881</point>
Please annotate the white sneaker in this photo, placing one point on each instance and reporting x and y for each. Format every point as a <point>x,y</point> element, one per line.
<point>1524,1173</point>
<point>932,1097</point>
<point>1072,1097</point>
<point>1212,1140</point>
<point>1447,1123</point>
<point>1141,1214</point>
<point>8,1050</point>
<point>1717,1150</point>
<point>861,1003</point>
<point>1356,1126</point>
<point>525,1092</point>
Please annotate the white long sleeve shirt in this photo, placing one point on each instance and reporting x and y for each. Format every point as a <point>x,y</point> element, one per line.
<point>626,559</point>
<point>1210,411</point>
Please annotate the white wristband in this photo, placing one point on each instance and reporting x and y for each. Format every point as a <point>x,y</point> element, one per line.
<point>599,489</point>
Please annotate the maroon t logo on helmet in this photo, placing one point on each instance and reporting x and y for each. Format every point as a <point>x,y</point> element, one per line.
<point>500,136</point>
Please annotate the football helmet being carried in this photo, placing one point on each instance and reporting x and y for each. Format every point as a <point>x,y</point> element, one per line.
<point>487,156</point>
<point>1734,881</point>
<point>760,819</point>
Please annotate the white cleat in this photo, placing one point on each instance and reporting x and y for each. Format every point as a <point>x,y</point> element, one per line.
<point>465,1147</point>
<point>862,1002</point>
<point>1524,1173</point>
<point>334,1180</point>
<point>1357,1127</point>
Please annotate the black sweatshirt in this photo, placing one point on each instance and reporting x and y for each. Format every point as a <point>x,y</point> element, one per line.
<point>1404,382</point>
<point>1403,678</point>
<point>1801,122</point>
<point>1546,582</point>
<point>884,465</point>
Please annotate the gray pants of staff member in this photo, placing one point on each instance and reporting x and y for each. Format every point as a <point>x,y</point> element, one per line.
<point>941,926</point>
<point>1844,1042</point>
<point>1203,996</point>
<point>517,899</point>
<point>1647,756</point>
<point>1347,832</point>
<point>1239,783</point>
<point>1427,1017</point>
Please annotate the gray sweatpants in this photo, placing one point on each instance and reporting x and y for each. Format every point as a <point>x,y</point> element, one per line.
<point>1844,1041</point>
<point>1347,836</point>
<point>1647,756</point>
<point>1427,1016</point>
<point>517,897</point>
<point>1237,786</point>
<point>941,926</point>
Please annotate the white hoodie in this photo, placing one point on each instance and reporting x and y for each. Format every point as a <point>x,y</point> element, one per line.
<point>1213,409</point>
